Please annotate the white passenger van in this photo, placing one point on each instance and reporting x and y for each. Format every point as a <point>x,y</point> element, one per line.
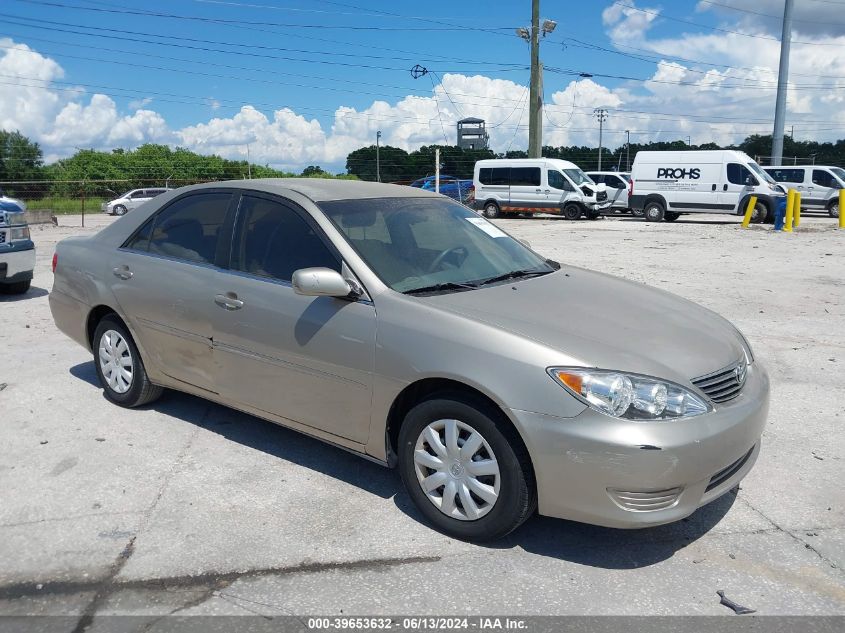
<point>665,185</point>
<point>818,185</point>
<point>536,185</point>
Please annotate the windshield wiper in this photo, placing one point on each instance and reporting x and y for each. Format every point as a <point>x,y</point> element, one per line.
<point>514,274</point>
<point>447,285</point>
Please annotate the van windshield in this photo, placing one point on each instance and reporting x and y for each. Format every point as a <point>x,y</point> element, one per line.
<point>839,173</point>
<point>759,171</point>
<point>578,177</point>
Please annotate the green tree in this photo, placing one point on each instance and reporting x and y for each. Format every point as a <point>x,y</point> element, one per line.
<point>393,163</point>
<point>21,159</point>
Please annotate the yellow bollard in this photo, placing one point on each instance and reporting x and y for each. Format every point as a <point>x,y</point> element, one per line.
<point>796,212</point>
<point>841,204</point>
<point>790,202</point>
<point>752,202</point>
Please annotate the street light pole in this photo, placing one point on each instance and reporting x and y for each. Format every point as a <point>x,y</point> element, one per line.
<point>601,115</point>
<point>378,159</point>
<point>783,78</point>
<point>628,150</point>
<point>534,97</point>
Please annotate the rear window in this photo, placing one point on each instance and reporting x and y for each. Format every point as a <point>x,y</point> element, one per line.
<point>495,175</point>
<point>525,176</point>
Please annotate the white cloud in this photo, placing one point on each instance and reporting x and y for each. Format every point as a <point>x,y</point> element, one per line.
<point>137,104</point>
<point>628,24</point>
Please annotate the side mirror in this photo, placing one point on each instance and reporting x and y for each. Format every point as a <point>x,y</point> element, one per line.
<point>751,181</point>
<point>320,282</point>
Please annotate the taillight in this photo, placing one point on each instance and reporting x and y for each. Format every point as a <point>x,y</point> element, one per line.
<point>631,187</point>
<point>55,261</point>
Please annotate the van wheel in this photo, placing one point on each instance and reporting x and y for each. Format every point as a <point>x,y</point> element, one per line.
<point>491,210</point>
<point>17,288</point>
<point>833,209</point>
<point>671,216</point>
<point>760,213</point>
<point>119,210</point>
<point>654,211</point>
<point>637,213</point>
<point>464,469</point>
<point>572,211</point>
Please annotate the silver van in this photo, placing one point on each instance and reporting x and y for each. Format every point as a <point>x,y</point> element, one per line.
<point>818,185</point>
<point>131,200</point>
<point>536,185</point>
<point>618,183</point>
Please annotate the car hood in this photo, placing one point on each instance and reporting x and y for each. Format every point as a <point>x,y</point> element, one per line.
<point>604,321</point>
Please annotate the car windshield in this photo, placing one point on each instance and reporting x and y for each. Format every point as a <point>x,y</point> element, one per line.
<point>839,173</point>
<point>759,171</point>
<point>431,245</point>
<point>625,177</point>
<point>578,177</point>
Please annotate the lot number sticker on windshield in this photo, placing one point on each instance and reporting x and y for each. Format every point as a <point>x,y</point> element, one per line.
<point>491,229</point>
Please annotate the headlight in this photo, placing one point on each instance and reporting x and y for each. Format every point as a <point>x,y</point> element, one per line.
<point>629,396</point>
<point>15,218</point>
<point>19,233</point>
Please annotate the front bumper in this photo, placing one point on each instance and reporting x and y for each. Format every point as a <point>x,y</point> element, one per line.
<point>604,471</point>
<point>598,206</point>
<point>17,264</point>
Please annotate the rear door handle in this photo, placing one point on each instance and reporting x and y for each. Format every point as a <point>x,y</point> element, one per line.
<point>122,272</point>
<point>228,301</point>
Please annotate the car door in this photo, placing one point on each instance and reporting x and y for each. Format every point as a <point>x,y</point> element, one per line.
<point>308,359</point>
<point>617,191</point>
<point>164,278</point>
<point>526,190</point>
<point>821,189</point>
<point>560,189</point>
<point>136,199</point>
<point>735,186</point>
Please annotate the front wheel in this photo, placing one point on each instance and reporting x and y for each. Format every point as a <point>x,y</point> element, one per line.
<point>120,210</point>
<point>17,288</point>
<point>671,216</point>
<point>491,210</point>
<point>119,365</point>
<point>638,213</point>
<point>833,209</point>
<point>654,212</point>
<point>465,469</point>
<point>572,211</point>
<point>760,213</point>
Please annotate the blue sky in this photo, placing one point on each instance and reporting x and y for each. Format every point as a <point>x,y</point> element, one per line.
<point>306,82</point>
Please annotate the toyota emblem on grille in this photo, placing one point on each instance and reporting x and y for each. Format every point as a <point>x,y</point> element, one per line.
<point>739,372</point>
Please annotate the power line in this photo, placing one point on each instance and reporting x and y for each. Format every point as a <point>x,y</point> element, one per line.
<point>769,15</point>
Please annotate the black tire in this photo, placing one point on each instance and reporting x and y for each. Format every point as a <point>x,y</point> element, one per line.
<point>517,497</point>
<point>638,213</point>
<point>654,211</point>
<point>572,211</point>
<point>671,216</point>
<point>141,391</point>
<point>17,288</point>
<point>760,213</point>
<point>491,210</point>
<point>833,209</point>
<point>119,210</point>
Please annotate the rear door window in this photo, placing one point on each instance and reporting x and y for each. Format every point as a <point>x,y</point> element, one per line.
<point>189,228</point>
<point>525,177</point>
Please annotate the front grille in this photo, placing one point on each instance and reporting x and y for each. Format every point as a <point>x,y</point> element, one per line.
<point>2,237</point>
<point>726,473</point>
<point>648,501</point>
<point>725,384</point>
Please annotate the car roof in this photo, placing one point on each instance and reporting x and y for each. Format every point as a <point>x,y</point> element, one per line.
<point>322,189</point>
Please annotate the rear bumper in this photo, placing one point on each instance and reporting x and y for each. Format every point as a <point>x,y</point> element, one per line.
<point>17,265</point>
<point>604,471</point>
<point>70,316</point>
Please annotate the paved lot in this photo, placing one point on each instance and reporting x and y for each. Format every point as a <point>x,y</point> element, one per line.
<point>191,507</point>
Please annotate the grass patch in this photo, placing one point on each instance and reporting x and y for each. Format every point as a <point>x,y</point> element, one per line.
<point>64,206</point>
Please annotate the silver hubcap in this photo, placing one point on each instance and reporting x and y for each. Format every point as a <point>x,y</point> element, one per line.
<point>835,210</point>
<point>457,470</point>
<point>116,361</point>
<point>490,210</point>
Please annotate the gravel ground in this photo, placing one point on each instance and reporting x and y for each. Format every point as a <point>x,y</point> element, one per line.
<point>190,507</point>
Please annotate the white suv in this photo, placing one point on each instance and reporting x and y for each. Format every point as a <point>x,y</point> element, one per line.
<point>131,200</point>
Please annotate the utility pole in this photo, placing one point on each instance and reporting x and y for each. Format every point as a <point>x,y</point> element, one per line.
<point>627,150</point>
<point>248,164</point>
<point>783,78</point>
<point>689,141</point>
<point>437,170</point>
<point>535,92</point>
<point>378,160</point>
<point>601,115</point>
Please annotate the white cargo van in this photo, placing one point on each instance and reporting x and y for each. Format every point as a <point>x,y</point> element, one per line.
<point>818,185</point>
<point>536,185</point>
<point>665,185</point>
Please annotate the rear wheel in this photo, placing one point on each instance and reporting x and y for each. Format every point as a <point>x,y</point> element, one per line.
<point>465,469</point>
<point>572,211</point>
<point>671,216</point>
<point>119,210</point>
<point>654,211</point>
<point>491,210</point>
<point>833,209</point>
<point>119,365</point>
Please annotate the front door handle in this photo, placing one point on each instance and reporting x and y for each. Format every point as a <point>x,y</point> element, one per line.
<point>724,187</point>
<point>714,188</point>
<point>122,272</point>
<point>228,301</point>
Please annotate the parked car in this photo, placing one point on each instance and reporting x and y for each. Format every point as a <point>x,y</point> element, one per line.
<point>537,185</point>
<point>818,185</point>
<point>399,324</point>
<point>666,185</point>
<point>455,188</point>
<point>131,200</point>
<point>17,252</point>
<point>617,183</point>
